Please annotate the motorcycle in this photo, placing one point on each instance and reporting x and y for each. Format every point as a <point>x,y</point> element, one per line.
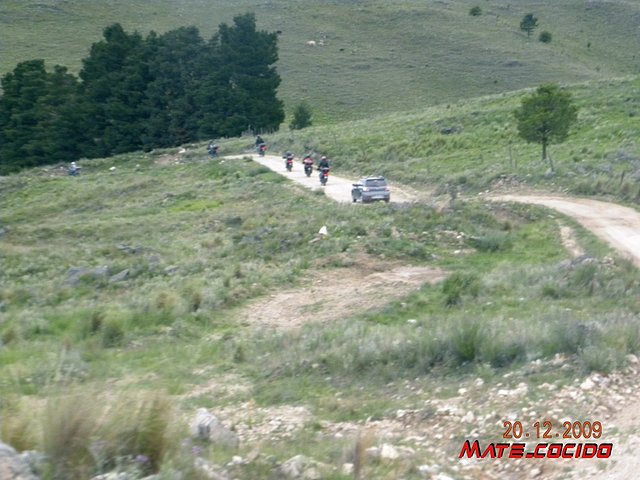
<point>288,162</point>
<point>262,148</point>
<point>213,150</point>
<point>308,166</point>
<point>324,175</point>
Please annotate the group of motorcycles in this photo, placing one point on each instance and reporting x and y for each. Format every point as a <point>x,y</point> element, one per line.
<point>307,162</point>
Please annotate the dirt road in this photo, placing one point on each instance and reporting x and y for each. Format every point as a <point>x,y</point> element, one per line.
<point>338,188</point>
<point>617,225</point>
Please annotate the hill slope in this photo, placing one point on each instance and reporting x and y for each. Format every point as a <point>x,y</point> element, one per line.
<point>376,56</point>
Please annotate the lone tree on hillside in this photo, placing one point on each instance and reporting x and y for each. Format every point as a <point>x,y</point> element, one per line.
<point>301,117</point>
<point>528,23</point>
<point>546,117</point>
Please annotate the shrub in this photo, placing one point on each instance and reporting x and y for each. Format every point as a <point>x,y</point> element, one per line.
<point>467,340</point>
<point>493,241</point>
<point>600,358</point>
<point>301,117</point>
<point>458,285</point>
<point>545,37</point>
<point>475,11</point>
<point>16,427</point>
<point>68,428</point>
<point>112,333</point>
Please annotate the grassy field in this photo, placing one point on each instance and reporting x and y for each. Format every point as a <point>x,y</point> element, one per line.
<point>125,285</point>
<point>377,57</point>
<point>122,290</point>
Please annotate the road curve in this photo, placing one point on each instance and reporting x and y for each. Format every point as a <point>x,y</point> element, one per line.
<point>337,188</point>
<point>617,225</point>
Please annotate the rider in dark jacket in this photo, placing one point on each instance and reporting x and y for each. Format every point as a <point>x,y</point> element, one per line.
<point>324,163</point>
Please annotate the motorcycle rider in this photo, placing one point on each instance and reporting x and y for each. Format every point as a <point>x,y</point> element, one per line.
<point>74,169</point>
<point>288,159</point>
<point>324,163</point>
<point>261,145</point>
<point>323,166</point>
<point>212,148</point>
<point>307,161</point>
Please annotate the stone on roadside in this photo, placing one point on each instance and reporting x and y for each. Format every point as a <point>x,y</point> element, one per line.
<point>302,467</point>
<point>206,426</point>
<point>13,466</point>
<point>388,452</point>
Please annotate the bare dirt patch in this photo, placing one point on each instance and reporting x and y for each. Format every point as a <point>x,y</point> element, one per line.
<point>337,293</point>
<point>567,236</point>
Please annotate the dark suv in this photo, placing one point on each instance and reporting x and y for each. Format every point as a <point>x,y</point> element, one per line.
<point>370,189</point>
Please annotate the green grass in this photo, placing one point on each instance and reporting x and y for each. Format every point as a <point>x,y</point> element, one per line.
<point>198,244</point>
<point>199,239</point>
<point>398,55</point>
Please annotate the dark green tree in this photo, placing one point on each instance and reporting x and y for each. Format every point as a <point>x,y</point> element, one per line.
<point>301,117</point>
<point>528,23</point>
<point>158,91</point>
<point>19,114</point>
<point>546,117</point>
<point>178,63</point>
<point>475,11</point>
<point>246,70</point>
<point>39,121</point>
<point>114,79</point>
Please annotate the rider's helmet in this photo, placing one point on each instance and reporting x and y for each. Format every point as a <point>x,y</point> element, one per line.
<point>323,158</point>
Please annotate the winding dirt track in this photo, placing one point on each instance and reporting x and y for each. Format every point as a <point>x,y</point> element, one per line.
<point>617,225</point>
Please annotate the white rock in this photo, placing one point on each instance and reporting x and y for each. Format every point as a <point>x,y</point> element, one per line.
<point>323,230</point>
<point>469,417</point>
<point>206,426</point>
<point>631,358</point>
<point>347,469</point>
<point>112,169</point>
<point>442,476</point>
<point>427,469</point>
<point>478,382</point>
<point>388,452</point>
<point>587,384</point>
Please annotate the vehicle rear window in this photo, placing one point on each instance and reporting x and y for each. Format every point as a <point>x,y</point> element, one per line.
<point>376,182</point>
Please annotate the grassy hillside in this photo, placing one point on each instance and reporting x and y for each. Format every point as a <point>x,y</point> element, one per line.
<point>128,285</point>
<point>123,291</point>
<point>376,57</point>
<point>473,145</point>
